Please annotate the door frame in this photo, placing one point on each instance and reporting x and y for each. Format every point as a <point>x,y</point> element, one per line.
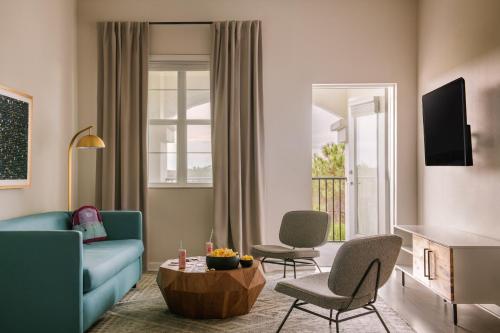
<point>391,166</point>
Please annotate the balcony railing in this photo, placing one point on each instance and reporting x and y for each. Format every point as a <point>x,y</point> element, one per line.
<point>329,197</point>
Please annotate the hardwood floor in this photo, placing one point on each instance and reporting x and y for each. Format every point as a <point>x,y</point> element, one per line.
<point>425,312</point>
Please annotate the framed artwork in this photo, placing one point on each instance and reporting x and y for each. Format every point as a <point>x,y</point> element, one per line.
<point>16,110</point>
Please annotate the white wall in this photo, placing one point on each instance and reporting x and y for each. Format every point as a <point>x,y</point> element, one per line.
<point>38,43</point>
<point>462,38</point>
<point>304,42</point>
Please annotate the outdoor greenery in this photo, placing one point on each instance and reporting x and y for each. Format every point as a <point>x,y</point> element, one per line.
<point>329,194</point>
<point>331,161</point>
<point>200,171</point>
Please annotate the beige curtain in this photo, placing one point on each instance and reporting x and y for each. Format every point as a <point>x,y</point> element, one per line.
<point>122,117</point>
<point>237,135</point>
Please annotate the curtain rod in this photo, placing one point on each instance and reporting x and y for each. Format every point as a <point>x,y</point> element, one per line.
<point>194,22</point>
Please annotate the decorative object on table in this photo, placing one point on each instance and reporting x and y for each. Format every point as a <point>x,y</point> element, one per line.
<point>182,257</point>
<point>209,246</point>
<point>16,110</point>
<point>246,261</point>
<point>88,220</point>
<point>88,141</point>
<point>223,259</point>
<point>197,293</point>
<point>222,263</point>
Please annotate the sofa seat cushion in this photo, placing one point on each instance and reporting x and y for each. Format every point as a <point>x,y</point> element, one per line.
<point>103,260</point>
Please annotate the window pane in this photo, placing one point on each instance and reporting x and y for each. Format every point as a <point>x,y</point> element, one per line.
<point>162,167</point>
<point>198,80</point>
<point>162,80</point>
<point>198,139</point>
<point>162,104</point>
<point>162,138</point>
<point>199,157</point>
<point>199,168</point>
<point>198,104</point>
<point>198,94</point>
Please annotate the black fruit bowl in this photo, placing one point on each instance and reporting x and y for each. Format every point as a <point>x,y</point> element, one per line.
<point>223,263</point>
<point>246,263</point>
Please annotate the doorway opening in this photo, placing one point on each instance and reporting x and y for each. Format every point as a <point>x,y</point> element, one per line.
<point>353,157</point>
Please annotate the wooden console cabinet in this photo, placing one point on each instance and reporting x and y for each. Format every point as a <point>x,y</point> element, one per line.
<point>461,267</point>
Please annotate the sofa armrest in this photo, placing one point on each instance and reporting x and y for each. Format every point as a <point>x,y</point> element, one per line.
<point>123,224</point>
<point>41,281</point>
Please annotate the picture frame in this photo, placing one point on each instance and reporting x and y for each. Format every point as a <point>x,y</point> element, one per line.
<point>16,112</point>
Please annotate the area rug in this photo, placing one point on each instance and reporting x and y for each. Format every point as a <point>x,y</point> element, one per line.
<point>144,310</point>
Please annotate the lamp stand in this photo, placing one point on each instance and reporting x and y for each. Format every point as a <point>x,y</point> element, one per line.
<point>70,164</point>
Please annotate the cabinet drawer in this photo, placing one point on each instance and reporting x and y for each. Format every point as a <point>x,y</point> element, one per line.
<point>420,247</point>
<point>441,270</point>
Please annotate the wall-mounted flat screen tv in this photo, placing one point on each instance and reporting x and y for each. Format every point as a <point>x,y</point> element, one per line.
<point>447,137</point>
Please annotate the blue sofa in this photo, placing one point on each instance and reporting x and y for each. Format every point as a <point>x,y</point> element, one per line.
<point>51,282</point>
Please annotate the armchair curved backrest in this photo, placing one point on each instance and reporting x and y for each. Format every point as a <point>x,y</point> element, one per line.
<point>304,228</point>
<point>359,258</point>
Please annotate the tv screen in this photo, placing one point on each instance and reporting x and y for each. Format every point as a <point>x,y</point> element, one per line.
<point>447,139</point>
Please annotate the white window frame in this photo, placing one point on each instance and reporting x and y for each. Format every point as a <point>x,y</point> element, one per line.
<point>177,63</point>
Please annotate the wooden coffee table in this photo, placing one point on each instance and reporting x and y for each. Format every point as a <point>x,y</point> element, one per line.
<point>198,293</point>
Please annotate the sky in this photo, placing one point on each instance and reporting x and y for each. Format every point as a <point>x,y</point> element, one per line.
<point>321,133</point>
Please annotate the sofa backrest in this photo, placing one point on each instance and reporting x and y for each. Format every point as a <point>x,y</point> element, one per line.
<point>43,221</point>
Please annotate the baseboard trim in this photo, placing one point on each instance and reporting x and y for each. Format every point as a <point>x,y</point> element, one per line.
<point>154,266</point>
<point>490,311</point>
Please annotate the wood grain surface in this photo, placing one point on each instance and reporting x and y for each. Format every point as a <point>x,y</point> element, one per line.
<point>197,293</point>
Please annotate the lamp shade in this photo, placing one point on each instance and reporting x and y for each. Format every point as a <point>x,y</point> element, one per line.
<point>90,142</point>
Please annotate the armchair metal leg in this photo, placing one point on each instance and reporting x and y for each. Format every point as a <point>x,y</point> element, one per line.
<point>337,323</point>
<point>368,306</point>
<point>284,268</point>
<point>286,317</point>
<point>294,270</point>
<point>262,264</point>
<point>314,261</point>
<point>381,320</point>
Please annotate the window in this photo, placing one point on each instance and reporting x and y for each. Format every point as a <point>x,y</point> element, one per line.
<point>179,143</point>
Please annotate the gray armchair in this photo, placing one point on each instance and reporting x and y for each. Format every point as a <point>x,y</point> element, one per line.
<point>360,268</point>
<point>303,231</point>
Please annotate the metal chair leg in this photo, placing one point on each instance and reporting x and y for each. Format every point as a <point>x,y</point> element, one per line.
<point>284,268</point>
<point>381,320</point>
<point>287,314</point>
<point>330,322</point>
<point>294,270</point>
<point>314,261</point>
<point>262,264</point>
<point>337,323</point>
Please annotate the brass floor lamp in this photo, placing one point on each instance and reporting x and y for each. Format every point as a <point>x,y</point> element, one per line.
<point>88,141</point>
